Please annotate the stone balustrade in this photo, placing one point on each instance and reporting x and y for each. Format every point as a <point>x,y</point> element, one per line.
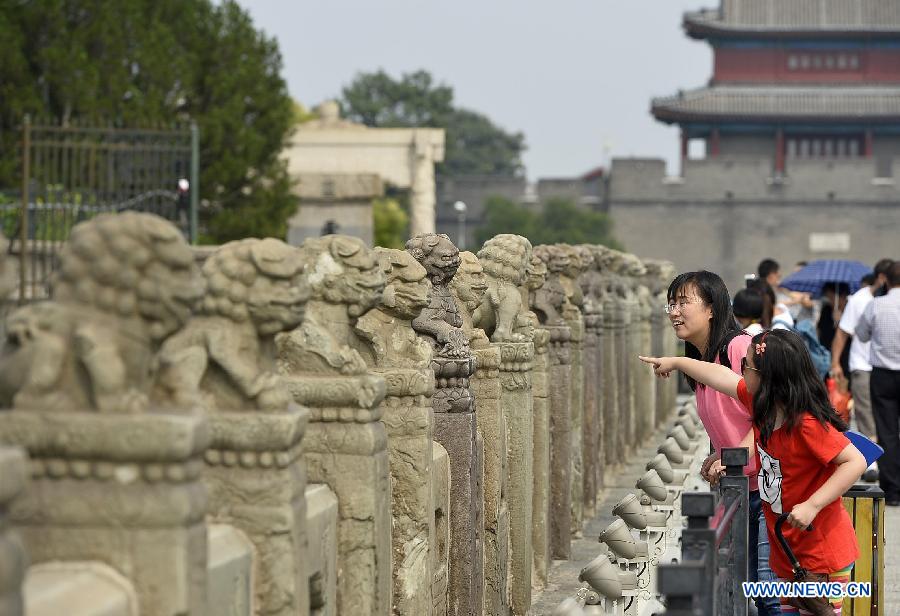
<point>325,429</point>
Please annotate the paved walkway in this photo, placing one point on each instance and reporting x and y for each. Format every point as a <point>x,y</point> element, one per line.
<point>619,482</point>
<point>564,573</point>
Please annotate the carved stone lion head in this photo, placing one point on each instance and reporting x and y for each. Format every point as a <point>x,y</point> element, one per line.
<point>342,270</point>
<point>408,289</point>
<point>437,254</point>
<point>132,266</point>
<point>469,284</point>
<point>506,257</point>
<point>259,280</point>
<point>536,273</point>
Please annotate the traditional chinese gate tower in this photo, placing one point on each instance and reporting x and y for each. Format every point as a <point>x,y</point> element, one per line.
<point>795,79</point>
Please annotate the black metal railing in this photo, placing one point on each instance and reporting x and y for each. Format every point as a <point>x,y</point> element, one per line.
<point>714,547</point>
<point>72,173</point>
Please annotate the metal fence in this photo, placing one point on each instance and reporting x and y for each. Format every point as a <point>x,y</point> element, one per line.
<point>72,173</point>
<point>714,546</point>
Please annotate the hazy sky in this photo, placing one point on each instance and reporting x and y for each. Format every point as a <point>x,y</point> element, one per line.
<point>575,76</point>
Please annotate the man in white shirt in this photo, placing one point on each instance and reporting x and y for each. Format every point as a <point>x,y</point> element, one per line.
<point>880,323</point>
<point>860,366</point>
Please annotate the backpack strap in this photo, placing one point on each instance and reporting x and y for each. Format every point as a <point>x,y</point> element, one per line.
<point>723,352</point>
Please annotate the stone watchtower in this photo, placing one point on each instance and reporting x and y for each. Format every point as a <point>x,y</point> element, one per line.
<point>800,132</point>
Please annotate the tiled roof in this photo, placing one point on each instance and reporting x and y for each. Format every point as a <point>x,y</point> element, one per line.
<point>759,103</point>
<point>774,16</point>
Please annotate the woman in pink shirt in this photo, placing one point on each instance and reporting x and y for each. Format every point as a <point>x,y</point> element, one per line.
<point>699,309</point>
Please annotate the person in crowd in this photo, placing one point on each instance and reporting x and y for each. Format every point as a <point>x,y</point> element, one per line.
<point>806,463</point>
<point>834,301</point>
<point>860,369</point>
<point>774,314</point>
<point>794,305</point>
<point>880,325</point>
<point>748,309</point>
<point>700,312</point>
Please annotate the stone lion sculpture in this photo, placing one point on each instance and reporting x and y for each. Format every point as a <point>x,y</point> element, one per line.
<point>126,282</point>
<point>224,359</point>
<point>441,322</point>
<point>388,327</point>
<point>544,298</point>
<point>505,259</point>
<point>345,282</point>
<point>468,288</point>
<point>555,261</point>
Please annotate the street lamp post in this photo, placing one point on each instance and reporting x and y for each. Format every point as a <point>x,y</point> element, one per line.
<point>460,208</point>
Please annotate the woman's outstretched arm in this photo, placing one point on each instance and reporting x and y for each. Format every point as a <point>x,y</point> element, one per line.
<point>712,375</point>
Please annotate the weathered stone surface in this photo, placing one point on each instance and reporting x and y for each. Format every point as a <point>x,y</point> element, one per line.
<point>659,275</point>
<point>125,283</point>
<point>78,589</point>
<point>395,352</point>
<point>560,442</point>
<point>564,264</point>
<point>614,436</point>
<point>455,422</point>
<point>143,516</point>
<point>458,434</point>
<point>345,445</point>
<point>224,361</point>
<point>503,314</point>
<point>229,585</point>
<point>645,382</point>
<point>13,464</point>
<point>540,459</point>
<point>594,292</point>
<point>440,555</point>
<point>322,549</point>
<point>516,359</point>
<point>118,486</point>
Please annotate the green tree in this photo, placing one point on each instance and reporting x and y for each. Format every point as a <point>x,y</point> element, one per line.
<point>559,220</point>
<point>391,223</point>
<point>563,221</point>
<point>474,144</point>
<point>502,215</point>
<point>152,62</point>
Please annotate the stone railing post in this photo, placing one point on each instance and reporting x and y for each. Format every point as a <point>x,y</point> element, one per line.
<point>560,442</point>
<point>614,435</point>
<point>455,423</point>
<point>593,426</point>
<point>516,399</point>
<point>577,409</point>
<point>643,379</point>
<point>121,489</point>
<point>493,431</point>
<point>345,445</point>
<point>591,420</point>
<point>13,465</point>
<point>394,351</point>
<point>540,463</point>
<point>630,344</point>
<point>225,361</point>
<point>116,478</point>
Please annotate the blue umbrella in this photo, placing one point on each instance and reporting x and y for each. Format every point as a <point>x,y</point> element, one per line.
<point>813,277</point>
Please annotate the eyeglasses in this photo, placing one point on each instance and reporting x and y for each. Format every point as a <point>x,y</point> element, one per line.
<point>680,305</point>
<point>745,367</point>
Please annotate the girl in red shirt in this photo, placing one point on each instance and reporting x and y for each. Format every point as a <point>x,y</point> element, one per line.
<point>806,463</point>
